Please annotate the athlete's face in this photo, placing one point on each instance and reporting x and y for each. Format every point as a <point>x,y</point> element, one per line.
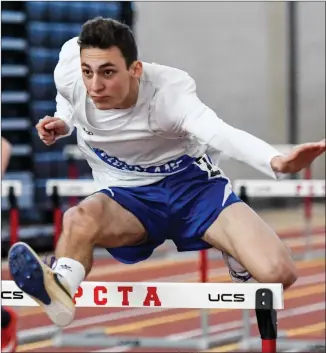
<point>108,81</point>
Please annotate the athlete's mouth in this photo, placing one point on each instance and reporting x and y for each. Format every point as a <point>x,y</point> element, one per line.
<point>100,99</point>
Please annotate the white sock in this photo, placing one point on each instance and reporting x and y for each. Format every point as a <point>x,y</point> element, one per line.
<point>72,271</point>
<point>235,266</point>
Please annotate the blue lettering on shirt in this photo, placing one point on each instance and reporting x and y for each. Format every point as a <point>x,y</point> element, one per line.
<point>167,168</point>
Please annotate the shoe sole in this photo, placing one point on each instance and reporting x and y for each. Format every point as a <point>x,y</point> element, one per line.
<point>37,280</point>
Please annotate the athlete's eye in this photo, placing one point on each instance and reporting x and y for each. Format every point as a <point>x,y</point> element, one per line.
<point>87,72</point>
<point>108,73</point>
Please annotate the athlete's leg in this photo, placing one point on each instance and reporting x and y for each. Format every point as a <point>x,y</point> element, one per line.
<point>97,220</point>
<point>210,214</point>
<point>240,232</point>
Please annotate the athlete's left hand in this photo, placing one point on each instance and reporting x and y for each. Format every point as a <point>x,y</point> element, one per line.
<point>299,158</point>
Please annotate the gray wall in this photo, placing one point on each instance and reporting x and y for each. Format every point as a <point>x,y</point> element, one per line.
<point>237,54</point>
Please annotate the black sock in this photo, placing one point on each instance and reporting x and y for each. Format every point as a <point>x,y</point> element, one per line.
<point>5,318</point>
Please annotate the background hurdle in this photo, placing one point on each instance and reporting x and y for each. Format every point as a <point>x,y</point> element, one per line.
<point>12,189</point>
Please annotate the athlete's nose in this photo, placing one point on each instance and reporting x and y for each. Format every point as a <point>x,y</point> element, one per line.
<point>97,84</point>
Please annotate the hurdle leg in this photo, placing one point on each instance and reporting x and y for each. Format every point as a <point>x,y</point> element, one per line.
<point>308,218</point>
<point>267,325</point>
<point>204,318</point>
<point>14,217</point>
<point>266,320</point>
<point>72,174</point>
<point>57,216</point>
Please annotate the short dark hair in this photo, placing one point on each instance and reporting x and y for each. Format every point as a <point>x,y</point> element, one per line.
<point>105,33</point>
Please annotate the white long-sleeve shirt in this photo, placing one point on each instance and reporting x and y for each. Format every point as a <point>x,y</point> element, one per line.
<point>167,129</point>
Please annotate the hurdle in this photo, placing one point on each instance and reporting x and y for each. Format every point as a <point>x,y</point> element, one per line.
<point>12,189</point>
<point>265,299</point>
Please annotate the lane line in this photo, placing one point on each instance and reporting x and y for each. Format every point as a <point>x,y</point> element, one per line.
<point>306,330</point>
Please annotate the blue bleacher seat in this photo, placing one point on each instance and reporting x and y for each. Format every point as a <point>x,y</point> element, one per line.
<point>39,34</point>
<point>79,12</point>
<point>63,33</point>
<point>58,10</point>
<point>44,34</point>
<point>42,86</point>
<point>43,60</point>
<point>104,9</point>
<point>37,10</point>
<point>41,108</point>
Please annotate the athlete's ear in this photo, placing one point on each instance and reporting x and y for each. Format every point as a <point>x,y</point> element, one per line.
<point>136,69</point>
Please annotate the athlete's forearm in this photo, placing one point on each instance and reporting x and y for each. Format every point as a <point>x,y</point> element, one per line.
<point>234,143</point>
<point>248,149</point>
<point>64,111</point>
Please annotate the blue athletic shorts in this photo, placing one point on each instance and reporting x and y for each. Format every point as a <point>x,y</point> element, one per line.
<point>181,207</point>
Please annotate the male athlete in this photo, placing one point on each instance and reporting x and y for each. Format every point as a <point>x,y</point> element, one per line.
<point>145,134</point>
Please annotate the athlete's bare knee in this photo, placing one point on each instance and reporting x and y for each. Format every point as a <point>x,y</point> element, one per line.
<point>279,270</point>
<point>83,221</point>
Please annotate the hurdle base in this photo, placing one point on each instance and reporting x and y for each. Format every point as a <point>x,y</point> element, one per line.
<point>98,338</point>
<point>283,344</point>
<point>38,334</point>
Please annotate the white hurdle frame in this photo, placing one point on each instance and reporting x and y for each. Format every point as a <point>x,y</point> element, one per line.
<point>265,298</point>
<point>12,189</point>
<point>6,184</point>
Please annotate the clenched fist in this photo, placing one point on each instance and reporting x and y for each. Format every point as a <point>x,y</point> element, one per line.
<point>49,128</point>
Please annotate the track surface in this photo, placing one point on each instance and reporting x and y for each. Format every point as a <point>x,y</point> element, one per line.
<point>303,317</point>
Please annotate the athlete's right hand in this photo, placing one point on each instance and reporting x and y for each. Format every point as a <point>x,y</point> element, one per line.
<point>49,128</point>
